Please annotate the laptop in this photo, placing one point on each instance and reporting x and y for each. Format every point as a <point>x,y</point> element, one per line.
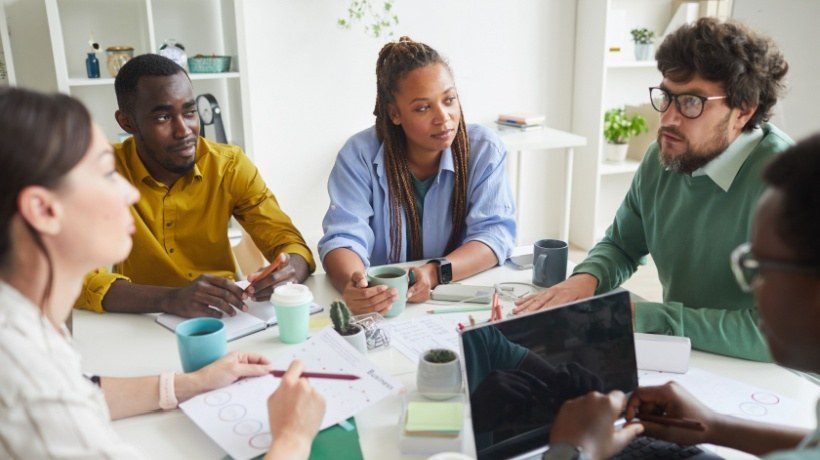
<point>519,372</point>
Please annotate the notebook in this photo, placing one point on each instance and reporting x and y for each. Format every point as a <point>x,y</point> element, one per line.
<point>260,316</point>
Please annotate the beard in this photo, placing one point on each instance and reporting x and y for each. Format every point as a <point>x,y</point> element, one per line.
<point>694,158</point>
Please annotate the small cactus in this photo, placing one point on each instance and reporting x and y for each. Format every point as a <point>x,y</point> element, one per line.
<point>439,355</point>
<point>340,315</point>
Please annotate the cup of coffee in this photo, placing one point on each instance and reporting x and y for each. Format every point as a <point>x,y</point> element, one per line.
<point>393,277</point>
<point>292,305</point>
<point>549,262</point>
<point>201,341</point>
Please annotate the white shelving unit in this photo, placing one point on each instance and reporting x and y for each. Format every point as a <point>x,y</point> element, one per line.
<point>5,49</point>
<point>204,27</point>
<point>604,81</point>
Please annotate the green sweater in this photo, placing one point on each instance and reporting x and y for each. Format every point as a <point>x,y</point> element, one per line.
<point>690,225</point>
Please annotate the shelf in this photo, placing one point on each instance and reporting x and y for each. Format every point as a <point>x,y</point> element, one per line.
<point>631,64</point>
<point>628,166</point>
<point>110,81</point>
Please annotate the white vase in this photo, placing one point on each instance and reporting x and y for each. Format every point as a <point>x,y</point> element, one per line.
<point>358,340</point>
<point>643,51</point>
<point>438,381</point>
<point>615,153</point>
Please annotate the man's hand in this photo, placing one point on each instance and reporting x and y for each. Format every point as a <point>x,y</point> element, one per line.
<point>426,278</point>
<point>292,268</point>
<point>295,411</point>
<point>362,299</point>
<point>194,299</point>
<point>588,422</point>
<point>673,401</point>
<point>574,288</point>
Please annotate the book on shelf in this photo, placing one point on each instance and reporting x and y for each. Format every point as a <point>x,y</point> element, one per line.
<point>515,127</point>
<point>522,118</point>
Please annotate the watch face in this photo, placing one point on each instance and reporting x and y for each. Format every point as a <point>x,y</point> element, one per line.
<point>206,113</point>
<point>445,272</point>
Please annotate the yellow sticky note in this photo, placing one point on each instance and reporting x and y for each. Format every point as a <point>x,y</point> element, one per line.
<point>434,416</point>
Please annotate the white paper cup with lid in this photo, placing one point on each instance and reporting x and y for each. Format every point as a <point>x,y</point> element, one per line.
<point>292,304</point>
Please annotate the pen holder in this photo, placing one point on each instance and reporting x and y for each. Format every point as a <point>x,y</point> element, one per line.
<point>375,336</point>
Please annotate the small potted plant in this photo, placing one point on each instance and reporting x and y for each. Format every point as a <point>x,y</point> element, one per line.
<point>353,333</point>
<point>643,38</point>
<point>618,128</point>
<point>439,374</point>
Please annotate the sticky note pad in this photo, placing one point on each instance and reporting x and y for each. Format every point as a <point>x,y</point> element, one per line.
<point>434,417</point>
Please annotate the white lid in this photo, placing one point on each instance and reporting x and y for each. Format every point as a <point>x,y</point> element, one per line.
<point>291,295</point>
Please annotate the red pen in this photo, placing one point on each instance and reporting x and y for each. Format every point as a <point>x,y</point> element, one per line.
<point>319,375</point>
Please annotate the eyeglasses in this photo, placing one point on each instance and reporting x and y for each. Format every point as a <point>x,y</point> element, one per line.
<point>689,105</point>
<point>746,267</point>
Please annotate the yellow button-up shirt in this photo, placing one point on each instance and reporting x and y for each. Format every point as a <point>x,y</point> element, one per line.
<point>182,231</point>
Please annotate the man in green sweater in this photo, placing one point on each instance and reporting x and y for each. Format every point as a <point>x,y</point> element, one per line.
<point>691,201</point>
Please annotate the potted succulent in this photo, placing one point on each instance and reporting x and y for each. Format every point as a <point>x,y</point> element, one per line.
<point>439,374</point>
<point>618,128</point>
<point>353,333</point>
<point>643,38</point>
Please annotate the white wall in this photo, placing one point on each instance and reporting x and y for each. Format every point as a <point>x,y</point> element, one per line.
<point>31,45</point>
<point>312,86</point>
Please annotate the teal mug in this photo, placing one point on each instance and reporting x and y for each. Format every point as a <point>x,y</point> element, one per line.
<point>393,277</point>
<point>201,341</point>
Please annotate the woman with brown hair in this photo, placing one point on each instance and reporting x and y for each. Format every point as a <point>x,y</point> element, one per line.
<point>420,184</point>
<point>64,210</point>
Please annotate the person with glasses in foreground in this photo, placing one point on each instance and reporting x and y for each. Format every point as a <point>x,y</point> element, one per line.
<point>691,200</point>
<point>781,267</point>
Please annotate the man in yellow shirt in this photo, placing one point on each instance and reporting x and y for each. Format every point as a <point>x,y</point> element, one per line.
<point>190,187</point>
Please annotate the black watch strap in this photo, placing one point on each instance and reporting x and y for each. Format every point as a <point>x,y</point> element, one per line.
<point>445,270</point>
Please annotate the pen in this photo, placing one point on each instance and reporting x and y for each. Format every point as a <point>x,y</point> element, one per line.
<point>267,271</point>
<point>454,309</point>
<point>670,421</point>
<point>319,375</point>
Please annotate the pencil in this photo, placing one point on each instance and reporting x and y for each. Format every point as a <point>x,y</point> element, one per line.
<point>267,271</point>
<point>466,308</point>
<point>319,375</point>
<point>670,421</point>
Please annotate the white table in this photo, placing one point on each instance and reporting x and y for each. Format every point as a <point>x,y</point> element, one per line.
<point>130,345</point>
<point>544,138</point>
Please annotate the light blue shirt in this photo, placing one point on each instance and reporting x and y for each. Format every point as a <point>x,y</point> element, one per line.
<point>358,217</point>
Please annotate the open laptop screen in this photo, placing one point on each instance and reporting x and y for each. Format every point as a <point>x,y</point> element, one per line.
<point>519,371</point>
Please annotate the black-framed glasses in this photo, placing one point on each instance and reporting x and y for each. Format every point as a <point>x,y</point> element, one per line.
<point>689,105</point>
<point>746,267</point>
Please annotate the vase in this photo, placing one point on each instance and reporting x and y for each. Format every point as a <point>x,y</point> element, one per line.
<point>643,51</point>
<point>438,381</point>
<point>615,153</point>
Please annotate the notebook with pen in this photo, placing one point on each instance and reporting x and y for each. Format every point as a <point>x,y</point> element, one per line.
<point>260,316</point>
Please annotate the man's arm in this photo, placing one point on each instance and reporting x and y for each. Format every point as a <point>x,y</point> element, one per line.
<point>726,332</point>
<point>193,300</point>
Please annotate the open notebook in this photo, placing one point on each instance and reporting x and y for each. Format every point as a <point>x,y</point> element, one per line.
<point>260,316</point>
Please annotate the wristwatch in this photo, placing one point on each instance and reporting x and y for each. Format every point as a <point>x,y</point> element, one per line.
<point>565,451</point>
<point>445,270</point>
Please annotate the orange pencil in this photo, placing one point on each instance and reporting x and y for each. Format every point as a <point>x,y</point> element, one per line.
<point>267,271</point>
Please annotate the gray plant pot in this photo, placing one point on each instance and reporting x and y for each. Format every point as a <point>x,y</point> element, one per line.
<point>438,381</point>
<point>643,51</point>
<point>358,340</point>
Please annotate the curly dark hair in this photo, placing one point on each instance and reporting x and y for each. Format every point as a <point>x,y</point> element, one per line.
<point>796,173</point>
<point>144,65</point>
<point>748,65</point>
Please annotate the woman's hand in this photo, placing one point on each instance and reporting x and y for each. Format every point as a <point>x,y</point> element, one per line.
<point>426,278</point>
<point>363,299</point>
<point>295,411</point>
<point>221,373</point>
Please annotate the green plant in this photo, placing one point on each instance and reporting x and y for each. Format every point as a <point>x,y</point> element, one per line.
<point>340,315</point>
<point>377,21</point>
<point>439,355</point>
<point>618,128</point>
<point>643,36</point>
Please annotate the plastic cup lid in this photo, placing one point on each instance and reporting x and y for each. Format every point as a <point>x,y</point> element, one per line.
<point>291,295</point>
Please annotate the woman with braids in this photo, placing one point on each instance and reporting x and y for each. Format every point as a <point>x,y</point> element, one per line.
<point>64,210</point>
<point>421,184</point>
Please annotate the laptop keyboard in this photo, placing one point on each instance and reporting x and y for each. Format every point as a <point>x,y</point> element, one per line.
<point>645,448</point>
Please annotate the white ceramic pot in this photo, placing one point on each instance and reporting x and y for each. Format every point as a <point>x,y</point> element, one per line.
<point>358,340</point>
<point>438,381</point>
<point>644,51</point>
<point>615,153</point>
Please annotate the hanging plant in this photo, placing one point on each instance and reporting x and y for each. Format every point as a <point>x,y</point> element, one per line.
<point>376,16</point>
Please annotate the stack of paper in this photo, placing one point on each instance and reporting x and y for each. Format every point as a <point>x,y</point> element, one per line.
<point>439,419</point>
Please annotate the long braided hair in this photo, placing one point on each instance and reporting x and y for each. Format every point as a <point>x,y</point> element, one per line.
<point>397,59</point>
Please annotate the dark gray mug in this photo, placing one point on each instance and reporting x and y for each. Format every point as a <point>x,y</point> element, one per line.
<point>549,262</point>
